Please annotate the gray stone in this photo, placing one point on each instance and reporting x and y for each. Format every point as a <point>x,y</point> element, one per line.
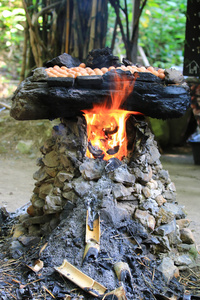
<point>53,204</point>
<point>174,76</point>
<point>51,159</point>
<point>66,210</point>
<point>28,241</point>
<point>183,260</point>
<point>67,187</point>
<point>160,200</point>
<point>122,175</point>
<point>112,164</point>
<point>152,184</point>
<point>170,196</point>
<point>45,189</point>
<point>187,236</point>
<point>183,223</point>
<point>65,176</point>
<point>164,216</point>
<point>143,177</point>
<point>167,268</point>
<point>137,188</point>
<point>48,146</point>
<point>150,205</point>
<point>92,169</point>
<point>81,186</point>
<point>40,175</point>
<point>36,220</point>
<point>51,171</point>
<point>145,219</point>
<point>16,249</point>
<point>164,176</point>
<point>153,154</point>
<point>70,196</point>
<point>39,74</point>
<point>129,206</point>
<point>56,191</point>
<point>163,243</point>
<point>146,192</point>
<point>171,187</point>
<point>65,161</point>
<point>39,203</point>
<point>176,209</point>
<point>166,229</point>
<point>174,237</point>
<point>111,213</point>
<point>120,191</point>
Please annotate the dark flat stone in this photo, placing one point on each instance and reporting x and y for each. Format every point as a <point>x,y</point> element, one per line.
<point>60,81</point>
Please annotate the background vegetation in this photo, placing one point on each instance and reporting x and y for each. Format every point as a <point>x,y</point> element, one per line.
<point>161,31</point>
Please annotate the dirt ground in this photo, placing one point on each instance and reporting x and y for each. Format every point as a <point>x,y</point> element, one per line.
<point>186,176</point>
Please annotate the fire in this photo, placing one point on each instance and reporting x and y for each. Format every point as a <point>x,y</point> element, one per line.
<point>106,124</point>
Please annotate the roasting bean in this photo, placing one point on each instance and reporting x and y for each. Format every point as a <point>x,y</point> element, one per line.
<point>104,70</point>
<point>82,70</point>
<point>82,65</point>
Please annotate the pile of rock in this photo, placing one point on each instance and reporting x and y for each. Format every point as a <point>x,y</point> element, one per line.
<point>137,188</point>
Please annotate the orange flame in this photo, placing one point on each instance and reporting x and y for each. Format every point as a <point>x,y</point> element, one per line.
<point>106,126</point>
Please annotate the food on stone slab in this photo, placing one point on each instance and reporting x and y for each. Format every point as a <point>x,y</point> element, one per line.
<point>82,70</point>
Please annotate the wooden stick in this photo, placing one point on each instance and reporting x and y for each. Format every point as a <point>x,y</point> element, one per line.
<point>49,292</point>
<point>5,105</point>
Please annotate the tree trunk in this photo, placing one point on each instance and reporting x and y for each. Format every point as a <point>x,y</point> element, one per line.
<point>135,30</point>
<point>70,26</point>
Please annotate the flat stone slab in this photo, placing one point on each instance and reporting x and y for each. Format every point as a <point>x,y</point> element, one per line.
<point>43,97</point>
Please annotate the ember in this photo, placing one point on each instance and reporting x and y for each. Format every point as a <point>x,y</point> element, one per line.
<point>106,124</point>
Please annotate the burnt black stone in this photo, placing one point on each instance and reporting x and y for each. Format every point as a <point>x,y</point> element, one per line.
<point>64,60</point>
<point>60,81</point>
<point>99,58</point>
<point>90,81</point>
<point>112,164</point>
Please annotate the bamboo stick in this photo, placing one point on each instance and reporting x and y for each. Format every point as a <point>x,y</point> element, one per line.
<point>5,105</point>
<point>93,25</point>
<point>24,55</point>
<point>67,27</point>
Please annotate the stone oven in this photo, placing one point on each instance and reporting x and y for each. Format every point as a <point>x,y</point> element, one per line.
<point>101,213</point>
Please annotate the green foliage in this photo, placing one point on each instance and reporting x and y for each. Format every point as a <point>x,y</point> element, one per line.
<point>12,18</point>
<point>162,32</point>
